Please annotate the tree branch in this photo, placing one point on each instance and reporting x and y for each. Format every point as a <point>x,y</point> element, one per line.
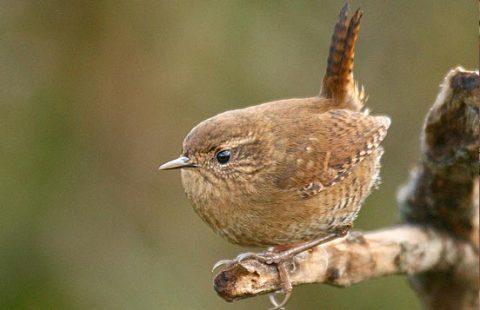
<point>443,190</point>
<point>437,247</point>
<point>404,249</point>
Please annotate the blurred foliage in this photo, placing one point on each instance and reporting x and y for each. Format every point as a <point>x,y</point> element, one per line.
<point>96,94</point>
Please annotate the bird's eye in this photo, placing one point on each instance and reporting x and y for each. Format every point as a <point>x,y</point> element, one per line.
<point>223,156</point>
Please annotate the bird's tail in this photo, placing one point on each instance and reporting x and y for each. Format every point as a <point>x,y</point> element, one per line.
<point>338,82</point>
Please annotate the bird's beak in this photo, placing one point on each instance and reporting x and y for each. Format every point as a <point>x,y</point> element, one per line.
<point>181,162</point>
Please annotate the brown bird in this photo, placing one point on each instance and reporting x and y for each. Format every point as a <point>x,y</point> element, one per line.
<point>292,173</point>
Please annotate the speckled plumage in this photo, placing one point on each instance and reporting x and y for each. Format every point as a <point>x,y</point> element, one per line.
<point>299,168</point>
<point>292,173</point>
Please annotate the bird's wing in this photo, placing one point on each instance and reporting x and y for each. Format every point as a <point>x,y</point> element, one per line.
<point>329,150</point>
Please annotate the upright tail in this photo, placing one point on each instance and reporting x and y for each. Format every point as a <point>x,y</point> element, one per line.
<point>338,82</point>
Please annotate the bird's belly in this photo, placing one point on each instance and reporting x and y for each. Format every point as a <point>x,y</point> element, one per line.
<point>303,220</point>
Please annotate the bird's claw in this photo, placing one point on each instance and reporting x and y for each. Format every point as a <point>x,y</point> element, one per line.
<point>230,262</point>
<point>223,262</point>
<point>276,304</point>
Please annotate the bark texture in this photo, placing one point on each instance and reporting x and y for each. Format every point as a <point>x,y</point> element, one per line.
<point>442,191</point>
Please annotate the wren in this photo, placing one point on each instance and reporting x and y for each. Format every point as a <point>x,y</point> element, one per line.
<point>288,174</point>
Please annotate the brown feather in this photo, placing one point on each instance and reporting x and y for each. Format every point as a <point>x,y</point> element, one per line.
<point>299,168</point>
<point>338,83</point>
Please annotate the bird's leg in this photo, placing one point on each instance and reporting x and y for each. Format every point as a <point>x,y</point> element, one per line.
<point>283,258</point>
<point>277,254</point>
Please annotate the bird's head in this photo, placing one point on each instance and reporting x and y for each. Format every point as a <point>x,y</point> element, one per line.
<point>224,153</point>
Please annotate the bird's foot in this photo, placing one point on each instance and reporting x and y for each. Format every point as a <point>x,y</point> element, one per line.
<point>271,256</point>
<point>283,259</point>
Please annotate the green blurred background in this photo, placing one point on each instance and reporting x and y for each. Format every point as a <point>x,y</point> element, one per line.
<point>96,94</point>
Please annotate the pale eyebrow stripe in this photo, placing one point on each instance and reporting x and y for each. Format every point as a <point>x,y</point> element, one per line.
<point>239,141</point>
